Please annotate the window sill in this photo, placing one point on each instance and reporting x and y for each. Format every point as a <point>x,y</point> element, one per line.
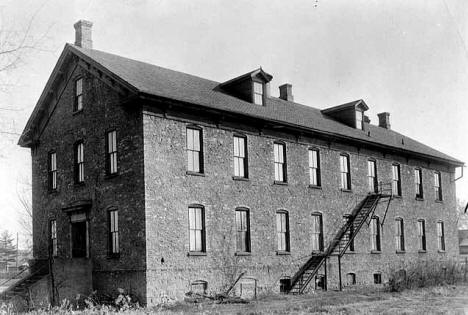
<point>400,252</point>
<point>76,112</point>
<point>346,190</point>
<point>282,253</point>
<point>196,254</point>
<point>276,182</point>
<point>110,176</point>
<point>317,252</point>
<point>397,196</point>
<point>419,199</point>
<point>53,191</point>
<point>376,252</point>
<point>241,179</point>
<point>422,251</point>
<point>195,173</point>
<point>315,187</point>
<point>441,251</point>
<point>242,254</point>
<point>350,252</point>
<point>113,256</point>
<point>439,201</point>
<point>80,184</point>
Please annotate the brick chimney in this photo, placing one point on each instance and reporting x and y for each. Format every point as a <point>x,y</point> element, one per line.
<point>384,120</point>
<point>286,92</point>
<point>83,34</point>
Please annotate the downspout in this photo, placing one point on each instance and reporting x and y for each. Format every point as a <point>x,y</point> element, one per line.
<point>461,175</point>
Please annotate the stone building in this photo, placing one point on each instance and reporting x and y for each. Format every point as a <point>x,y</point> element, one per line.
<point>160,182</point>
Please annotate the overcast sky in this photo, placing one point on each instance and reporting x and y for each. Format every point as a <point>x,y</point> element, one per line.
<point>405,57</point>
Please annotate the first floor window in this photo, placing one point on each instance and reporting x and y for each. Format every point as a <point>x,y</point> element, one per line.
<point>79,162</point>
<point>375,234</point>
<point>314,167</point>
<point>437,186</point>
<point>372,176</point>
<point>282,230</point>
<point>440,235</point>
<point>194,150</point>
<point>317,232</point>
<point>243,230</point>
<point>197,229</point>
<point>399,235</point>
<point>111,152</point>
<point>114,232</point>
<point>52,170</point>
<point>53,237</point>
<point>345,172</point>
<point>422,234</point>
<point>396,181</point>
<point>280,162</point>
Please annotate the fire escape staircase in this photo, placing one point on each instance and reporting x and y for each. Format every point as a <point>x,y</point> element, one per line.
<point>339,244</point>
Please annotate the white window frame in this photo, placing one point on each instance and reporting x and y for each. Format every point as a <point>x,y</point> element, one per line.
<point>194,137</point>
<point>422,235</point>
<point>258,92</point>
<point>345,183</point>
<point>314,168</point>
<point>399,235</point>
<point>243,230</point>
<point>52,170</point>
<point>240,157</point>
<point>111,152</point>
<point>440,236</point>
<point>280,162</point>
<point>197,229</point>
<point>376,241</point>
<point>282,230</point>
<point>114,239</point>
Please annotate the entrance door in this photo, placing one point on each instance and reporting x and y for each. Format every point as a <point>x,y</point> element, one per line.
<point>79,239</point>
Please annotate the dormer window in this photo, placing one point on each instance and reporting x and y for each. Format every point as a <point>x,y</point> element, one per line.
<point>258,93</point>
<point>359,120</point>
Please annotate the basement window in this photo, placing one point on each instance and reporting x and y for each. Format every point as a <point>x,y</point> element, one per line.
<point>377,278</point>
<point>199,286</point>
<point>351,278</point>
<point>258,93</point>
<point>285,285</point>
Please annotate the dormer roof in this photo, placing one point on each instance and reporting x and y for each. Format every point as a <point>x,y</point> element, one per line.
<point>257,74</point>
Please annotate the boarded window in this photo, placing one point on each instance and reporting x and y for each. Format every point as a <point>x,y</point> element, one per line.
<point>418,183</point>
<point>199,286</point>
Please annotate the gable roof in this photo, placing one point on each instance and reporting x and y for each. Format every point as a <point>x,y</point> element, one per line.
<point>148,79</point>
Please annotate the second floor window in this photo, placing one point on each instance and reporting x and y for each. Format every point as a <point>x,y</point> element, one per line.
<point>418,183</point>
<point>240,157</point>
<point>437,186</point>
<point>53,237</point>
<point>314,167</point>
<point>440,236</point>
<point>243,230</point>
<point>396,180</point>
<point>399,235</point>
<point>317,232</point>
<point>78,104</point>
<point>114,246</point>
<point>111,152</point>
<point>345,173</point>
<point>372,182</point>
<point>197,229</point>
<point>258,93</point>
<point>194,150</point>
<point>375,234</point>
<point>52,170</point>
<point>422,234</point>
<point>282,231</point>
<point>79,162</point>
<point>280,162</point>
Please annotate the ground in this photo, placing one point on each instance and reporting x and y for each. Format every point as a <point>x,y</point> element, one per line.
<point>436,300</point>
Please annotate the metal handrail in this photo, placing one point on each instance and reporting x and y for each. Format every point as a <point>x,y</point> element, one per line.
<point>37,271</point>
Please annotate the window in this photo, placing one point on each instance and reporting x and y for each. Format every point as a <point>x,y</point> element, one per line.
<point>418,183</point>
<point>280,162</point>
<point>375,234</point>
<point>79,235</point>
<point>79,162</point>
<point>347,218</point>
<point>52,171</point>
<point>422,235</point>
<point>345,174</point>
<point>197,229</point>
<point>53,237</point>
<point>243,230</point>
<point>317,232</point>
<point>282,230</point>
<point>396,181</point>
<point>114,247</point>
<point>437,186</point>
<point>199,286</point>
<point>111,152</point>
<point>441,236</point>
<point>377,278</point>
<point>240,157</point>
<point>314,167</point>
<point>194,150</point>
<point>351,278</point>
<point>399,235</point>
<point>372,183</point>
<point>359,120</point>
<point>78,105</point>
<point>258,93</point>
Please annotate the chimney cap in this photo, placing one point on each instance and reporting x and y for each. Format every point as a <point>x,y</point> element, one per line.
<point>82,22</point>
<point>83,34</point>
